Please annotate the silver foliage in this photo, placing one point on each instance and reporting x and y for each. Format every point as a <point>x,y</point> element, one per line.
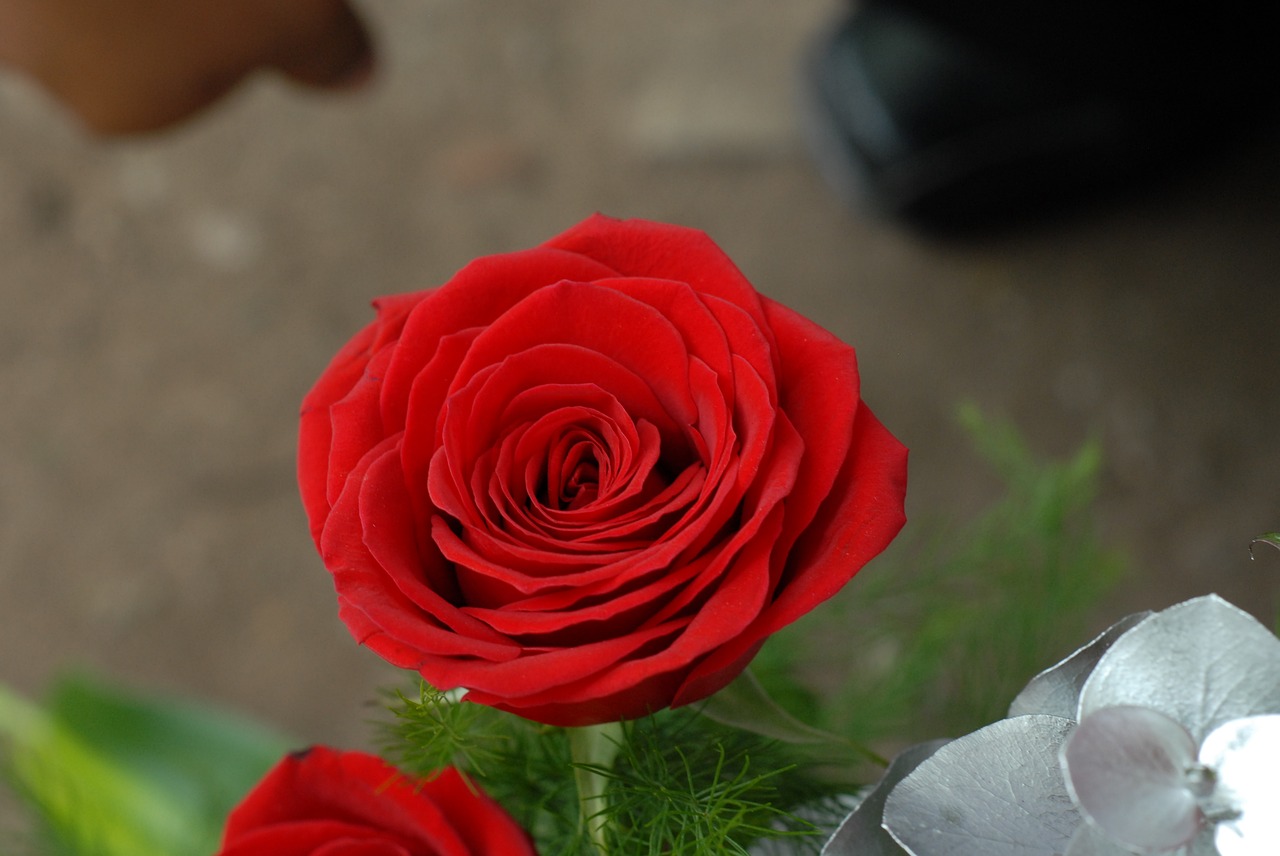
<point>1161,736</point>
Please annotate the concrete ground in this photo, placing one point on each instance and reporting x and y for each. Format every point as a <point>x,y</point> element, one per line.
<point>164,304</point>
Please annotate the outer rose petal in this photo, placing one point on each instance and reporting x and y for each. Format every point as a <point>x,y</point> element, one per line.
<point>833,551</point>
<point>586,481</point>
<point>476,296</point>
<point>344,372</point>
<point>322,801</point>
<point>660,251</point>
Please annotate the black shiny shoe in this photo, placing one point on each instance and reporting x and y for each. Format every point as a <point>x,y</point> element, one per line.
<point>953,127</point>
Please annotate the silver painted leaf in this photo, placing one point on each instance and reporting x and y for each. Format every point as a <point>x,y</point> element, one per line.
<point>822,817</point>
<point>860,834</point>
<point>1090,841</point>
<point>1127,769</point>
<point>1245,755</point>
<point>1056,690</point>
<point>1202,662</point>
<point>996,792</point>
<point>1203,846</point>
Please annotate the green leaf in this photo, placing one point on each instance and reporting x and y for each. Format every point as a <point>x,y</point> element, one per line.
<point>906,652</point>
<point>86,806</point>
<point>746,704</point>
<point>1272,538</point>
<point>115,774</point>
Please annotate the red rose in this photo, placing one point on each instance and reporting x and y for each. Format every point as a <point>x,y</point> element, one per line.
<point>326,803</point>
<point>586,481</point>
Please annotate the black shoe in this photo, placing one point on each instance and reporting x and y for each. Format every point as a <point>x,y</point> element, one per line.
<point>929,123</point>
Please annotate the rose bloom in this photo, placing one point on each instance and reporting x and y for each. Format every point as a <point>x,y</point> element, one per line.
<point>322,802</point>
<point>586,481</point>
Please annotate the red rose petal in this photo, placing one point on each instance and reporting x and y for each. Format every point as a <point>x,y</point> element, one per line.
<point>689,313</point>
<point>765,507</point>
<point>486,828</point>
<point>659,250</point>
<point>389,538</point>
<point>315,435</point>
<point>426,398</point>
<point>324,785</point>
<point>821,406</point>
<point>475,296</point>
<point>567,363</point>
<point>356,426</point>
<point>322,802</point>
<point>576,619</point>
<point>624,684</point>
<point>601,320</point>
<point>335,383</point>
<point>702,522</point>
<point>313,838</point>
<point>624,502</point>
<point>543,671</point>
<point>360,848</point>
<point>362,582</point>
<point>642,518</point>
<point>867,499</point>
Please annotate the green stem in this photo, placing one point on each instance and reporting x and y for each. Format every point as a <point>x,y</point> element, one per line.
<point>593,749</point>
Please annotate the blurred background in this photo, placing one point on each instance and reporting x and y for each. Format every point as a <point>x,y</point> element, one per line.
<point>165,303</point>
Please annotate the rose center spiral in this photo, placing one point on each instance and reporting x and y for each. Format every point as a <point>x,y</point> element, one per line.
<point>574,469</point>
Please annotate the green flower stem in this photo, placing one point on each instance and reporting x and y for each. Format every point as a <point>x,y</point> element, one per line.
<point>593,749</point>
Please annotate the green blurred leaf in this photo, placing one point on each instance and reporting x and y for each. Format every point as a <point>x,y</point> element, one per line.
<point>109,773</point>
<point>746,704</point>
<point>939,635</point>
<point>1272,538</point>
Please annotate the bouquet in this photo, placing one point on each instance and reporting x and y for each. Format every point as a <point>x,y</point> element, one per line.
<point>572,493</point>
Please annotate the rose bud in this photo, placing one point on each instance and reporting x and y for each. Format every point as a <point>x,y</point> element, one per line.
<point>322,801</point>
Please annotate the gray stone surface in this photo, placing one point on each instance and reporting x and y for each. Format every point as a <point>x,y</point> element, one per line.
<point>165,303</point>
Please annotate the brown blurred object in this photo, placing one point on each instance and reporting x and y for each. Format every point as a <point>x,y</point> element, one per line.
<point>131,66</point>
